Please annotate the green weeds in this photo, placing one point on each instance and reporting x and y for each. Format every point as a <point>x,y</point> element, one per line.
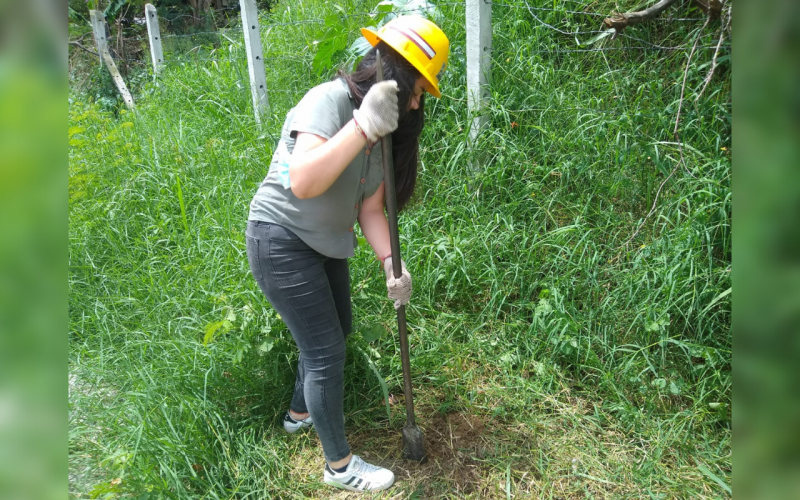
<point>552,355</point>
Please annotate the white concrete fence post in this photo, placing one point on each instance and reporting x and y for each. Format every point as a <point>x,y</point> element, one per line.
<point>479,62</point>
<point>255,58</point>
<point>99,27</point>
<point>154,35</point>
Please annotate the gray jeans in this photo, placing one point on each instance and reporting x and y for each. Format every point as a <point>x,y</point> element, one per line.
<point>311,292</point>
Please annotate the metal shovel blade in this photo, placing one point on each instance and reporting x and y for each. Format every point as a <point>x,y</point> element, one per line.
<point>414,444</point>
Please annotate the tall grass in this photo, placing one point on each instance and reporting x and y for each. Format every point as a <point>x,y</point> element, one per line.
<point>552,355</point>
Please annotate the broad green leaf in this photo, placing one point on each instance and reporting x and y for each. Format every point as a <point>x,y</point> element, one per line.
<point>326,50</point>
<point>266,346</point>
<point>230,316</point>
<point>334,24</point>
<point>373,332</point>
<point>658,325</point>
<point>355,52</point>
<point>382,8</point>
<point>113,9</point>
<point>543,308</point>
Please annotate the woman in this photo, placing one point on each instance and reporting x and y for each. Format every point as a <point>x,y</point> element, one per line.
<point>326,173</point>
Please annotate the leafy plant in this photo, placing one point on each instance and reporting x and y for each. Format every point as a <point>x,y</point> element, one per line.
<point>115,7</point>
<point>334,37</point>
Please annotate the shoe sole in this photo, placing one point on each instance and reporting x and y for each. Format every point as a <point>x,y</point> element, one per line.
<point>348,487</point>
<point>292,431</point>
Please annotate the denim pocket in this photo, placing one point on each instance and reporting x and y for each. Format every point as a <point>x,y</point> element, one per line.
<point>280,233</point>
<point>253,258</point>
<point>291,260</point>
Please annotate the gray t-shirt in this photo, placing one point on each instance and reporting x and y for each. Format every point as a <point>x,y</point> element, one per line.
<point>325,222</point>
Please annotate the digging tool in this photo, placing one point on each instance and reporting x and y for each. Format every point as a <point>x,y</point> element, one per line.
<point>413,442</point>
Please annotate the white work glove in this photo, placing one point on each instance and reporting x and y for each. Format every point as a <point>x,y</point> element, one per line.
<point>399,288</point>
<point>378,113</point>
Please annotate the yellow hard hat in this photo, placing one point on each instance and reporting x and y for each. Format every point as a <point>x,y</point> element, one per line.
<point>420,41</point>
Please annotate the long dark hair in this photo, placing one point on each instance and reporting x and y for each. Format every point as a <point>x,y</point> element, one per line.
<point>405,140</point>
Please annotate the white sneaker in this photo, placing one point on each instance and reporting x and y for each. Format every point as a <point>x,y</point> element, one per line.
<point>291,425</point>
<point>359,476</point>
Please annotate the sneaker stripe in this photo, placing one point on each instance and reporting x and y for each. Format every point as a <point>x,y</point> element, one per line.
<point>361,476</point>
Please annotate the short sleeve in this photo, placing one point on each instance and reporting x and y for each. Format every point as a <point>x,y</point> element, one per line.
<point>319,112</point>
<point>374,175</point>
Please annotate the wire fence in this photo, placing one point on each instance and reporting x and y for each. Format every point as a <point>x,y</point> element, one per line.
<point>607,103</point>
<point>200,44</point>
<point>647,38</point>
<point>234,35</point>
<point>584,13</point>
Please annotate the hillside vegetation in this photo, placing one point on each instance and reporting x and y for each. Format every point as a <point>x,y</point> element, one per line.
<point>570,323</point>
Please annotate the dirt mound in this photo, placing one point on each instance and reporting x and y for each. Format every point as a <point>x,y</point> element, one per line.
<point>454,443</point>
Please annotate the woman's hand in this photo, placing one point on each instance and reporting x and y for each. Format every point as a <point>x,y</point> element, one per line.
<point>378,113</point>
<point>399,288</point>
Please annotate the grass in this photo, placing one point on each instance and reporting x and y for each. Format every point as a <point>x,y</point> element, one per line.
<point>550,358</point>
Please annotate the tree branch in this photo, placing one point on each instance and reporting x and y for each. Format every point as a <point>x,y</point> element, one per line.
<point>84,48</point>
<point>621,21</point>
<point>712,8</point>
<point>80,38</point>
<point>725,26</point>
